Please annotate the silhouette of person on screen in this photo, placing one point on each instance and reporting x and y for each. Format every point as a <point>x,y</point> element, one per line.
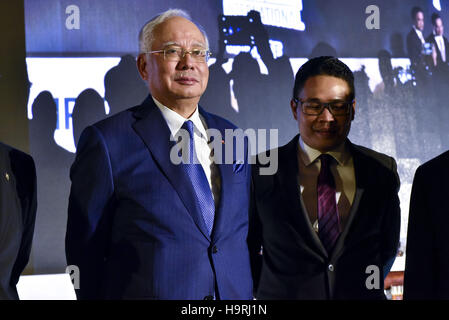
<point>52,169</point>
<point>262,99</point>
<point>217,97</point>
<point>123,86</point>
<point>88,109</point>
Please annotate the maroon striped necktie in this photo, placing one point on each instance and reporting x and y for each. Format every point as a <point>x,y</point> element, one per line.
<point>328,219</point>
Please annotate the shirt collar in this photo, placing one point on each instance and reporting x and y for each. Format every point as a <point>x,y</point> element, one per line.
<point>309,155</point>
<point>437,36</point>
<point>175,120</point>
<point>419,32</point>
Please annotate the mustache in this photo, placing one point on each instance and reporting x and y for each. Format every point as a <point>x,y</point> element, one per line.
<point>325,128</point>
<point>184,74</point>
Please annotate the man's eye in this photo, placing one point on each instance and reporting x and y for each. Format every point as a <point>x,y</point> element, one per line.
<point>198,52</point>
<point>338,105</point>
<point>313,106</point>
<point>171,51</point>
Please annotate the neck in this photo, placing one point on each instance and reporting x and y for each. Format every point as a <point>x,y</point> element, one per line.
<point>184,107</point>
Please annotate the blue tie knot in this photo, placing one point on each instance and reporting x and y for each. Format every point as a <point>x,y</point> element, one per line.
<point>190,152</point>
<point>188,125</point>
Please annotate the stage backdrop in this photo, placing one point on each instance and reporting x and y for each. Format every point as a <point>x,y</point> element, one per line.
<point>81,66</point>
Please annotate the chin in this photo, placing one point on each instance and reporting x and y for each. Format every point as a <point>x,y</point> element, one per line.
<point>188,94</point>
<point>327,146</point>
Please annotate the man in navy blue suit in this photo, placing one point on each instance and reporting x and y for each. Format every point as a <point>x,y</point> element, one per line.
<point>141,226</point>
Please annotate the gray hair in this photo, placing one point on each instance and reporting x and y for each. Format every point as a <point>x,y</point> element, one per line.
<point>146,36</point>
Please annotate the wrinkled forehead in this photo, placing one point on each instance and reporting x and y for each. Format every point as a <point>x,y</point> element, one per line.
<point>193,44</point>
<point>180,32</point>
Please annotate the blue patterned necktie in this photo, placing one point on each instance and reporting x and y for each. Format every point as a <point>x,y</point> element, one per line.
<point>328,219</point>
<point>201,187</point>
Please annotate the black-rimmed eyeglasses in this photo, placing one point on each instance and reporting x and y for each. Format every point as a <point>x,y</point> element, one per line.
<point>315,108</point>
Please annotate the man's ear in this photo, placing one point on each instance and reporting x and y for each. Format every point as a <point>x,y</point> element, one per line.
<point>141,66</point>
<point>294,106</point>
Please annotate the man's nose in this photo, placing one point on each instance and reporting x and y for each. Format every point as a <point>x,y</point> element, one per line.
<point>186,61</point>
<point>326,115</point>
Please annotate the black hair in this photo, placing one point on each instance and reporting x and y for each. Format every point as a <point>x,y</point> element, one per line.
<point>324,65</point>
<point>434,17</point>
<point>414,11</point>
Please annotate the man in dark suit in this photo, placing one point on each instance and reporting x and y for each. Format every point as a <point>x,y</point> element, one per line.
<point>326,225</point>
<point>17,216</point>
<point>415,47</point>
<point>441,45</point>
<point>141,226</point>
<point>427,255</point>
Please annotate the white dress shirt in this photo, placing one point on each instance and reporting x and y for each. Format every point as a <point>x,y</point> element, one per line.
<point>202,148</point>
<point>343,171</point>
<point>440,43</point>
<point>420,35</point>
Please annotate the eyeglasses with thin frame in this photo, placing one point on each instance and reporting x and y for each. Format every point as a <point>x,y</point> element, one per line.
<point>178,53</point>
<point>315,108</point>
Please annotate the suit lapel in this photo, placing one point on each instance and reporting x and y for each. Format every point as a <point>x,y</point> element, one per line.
<point>288,174</point>
<point>361,180</point>
<point>10,205</point>
<point>153,129</point>
<point>439,55</point>
<point>446,48</point>
<point>225,171</point>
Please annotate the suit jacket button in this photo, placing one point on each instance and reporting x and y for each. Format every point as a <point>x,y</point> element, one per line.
<point>331,267</point>
<point>209,298</point>
<point>214,249</point>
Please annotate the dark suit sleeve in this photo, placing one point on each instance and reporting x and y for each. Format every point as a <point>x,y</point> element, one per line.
<point>392,221</point>
<point>413,47</point>
<point>25,171</point>
<point>419,269</point>
<point>89,212</point>
<point>254,236</point>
